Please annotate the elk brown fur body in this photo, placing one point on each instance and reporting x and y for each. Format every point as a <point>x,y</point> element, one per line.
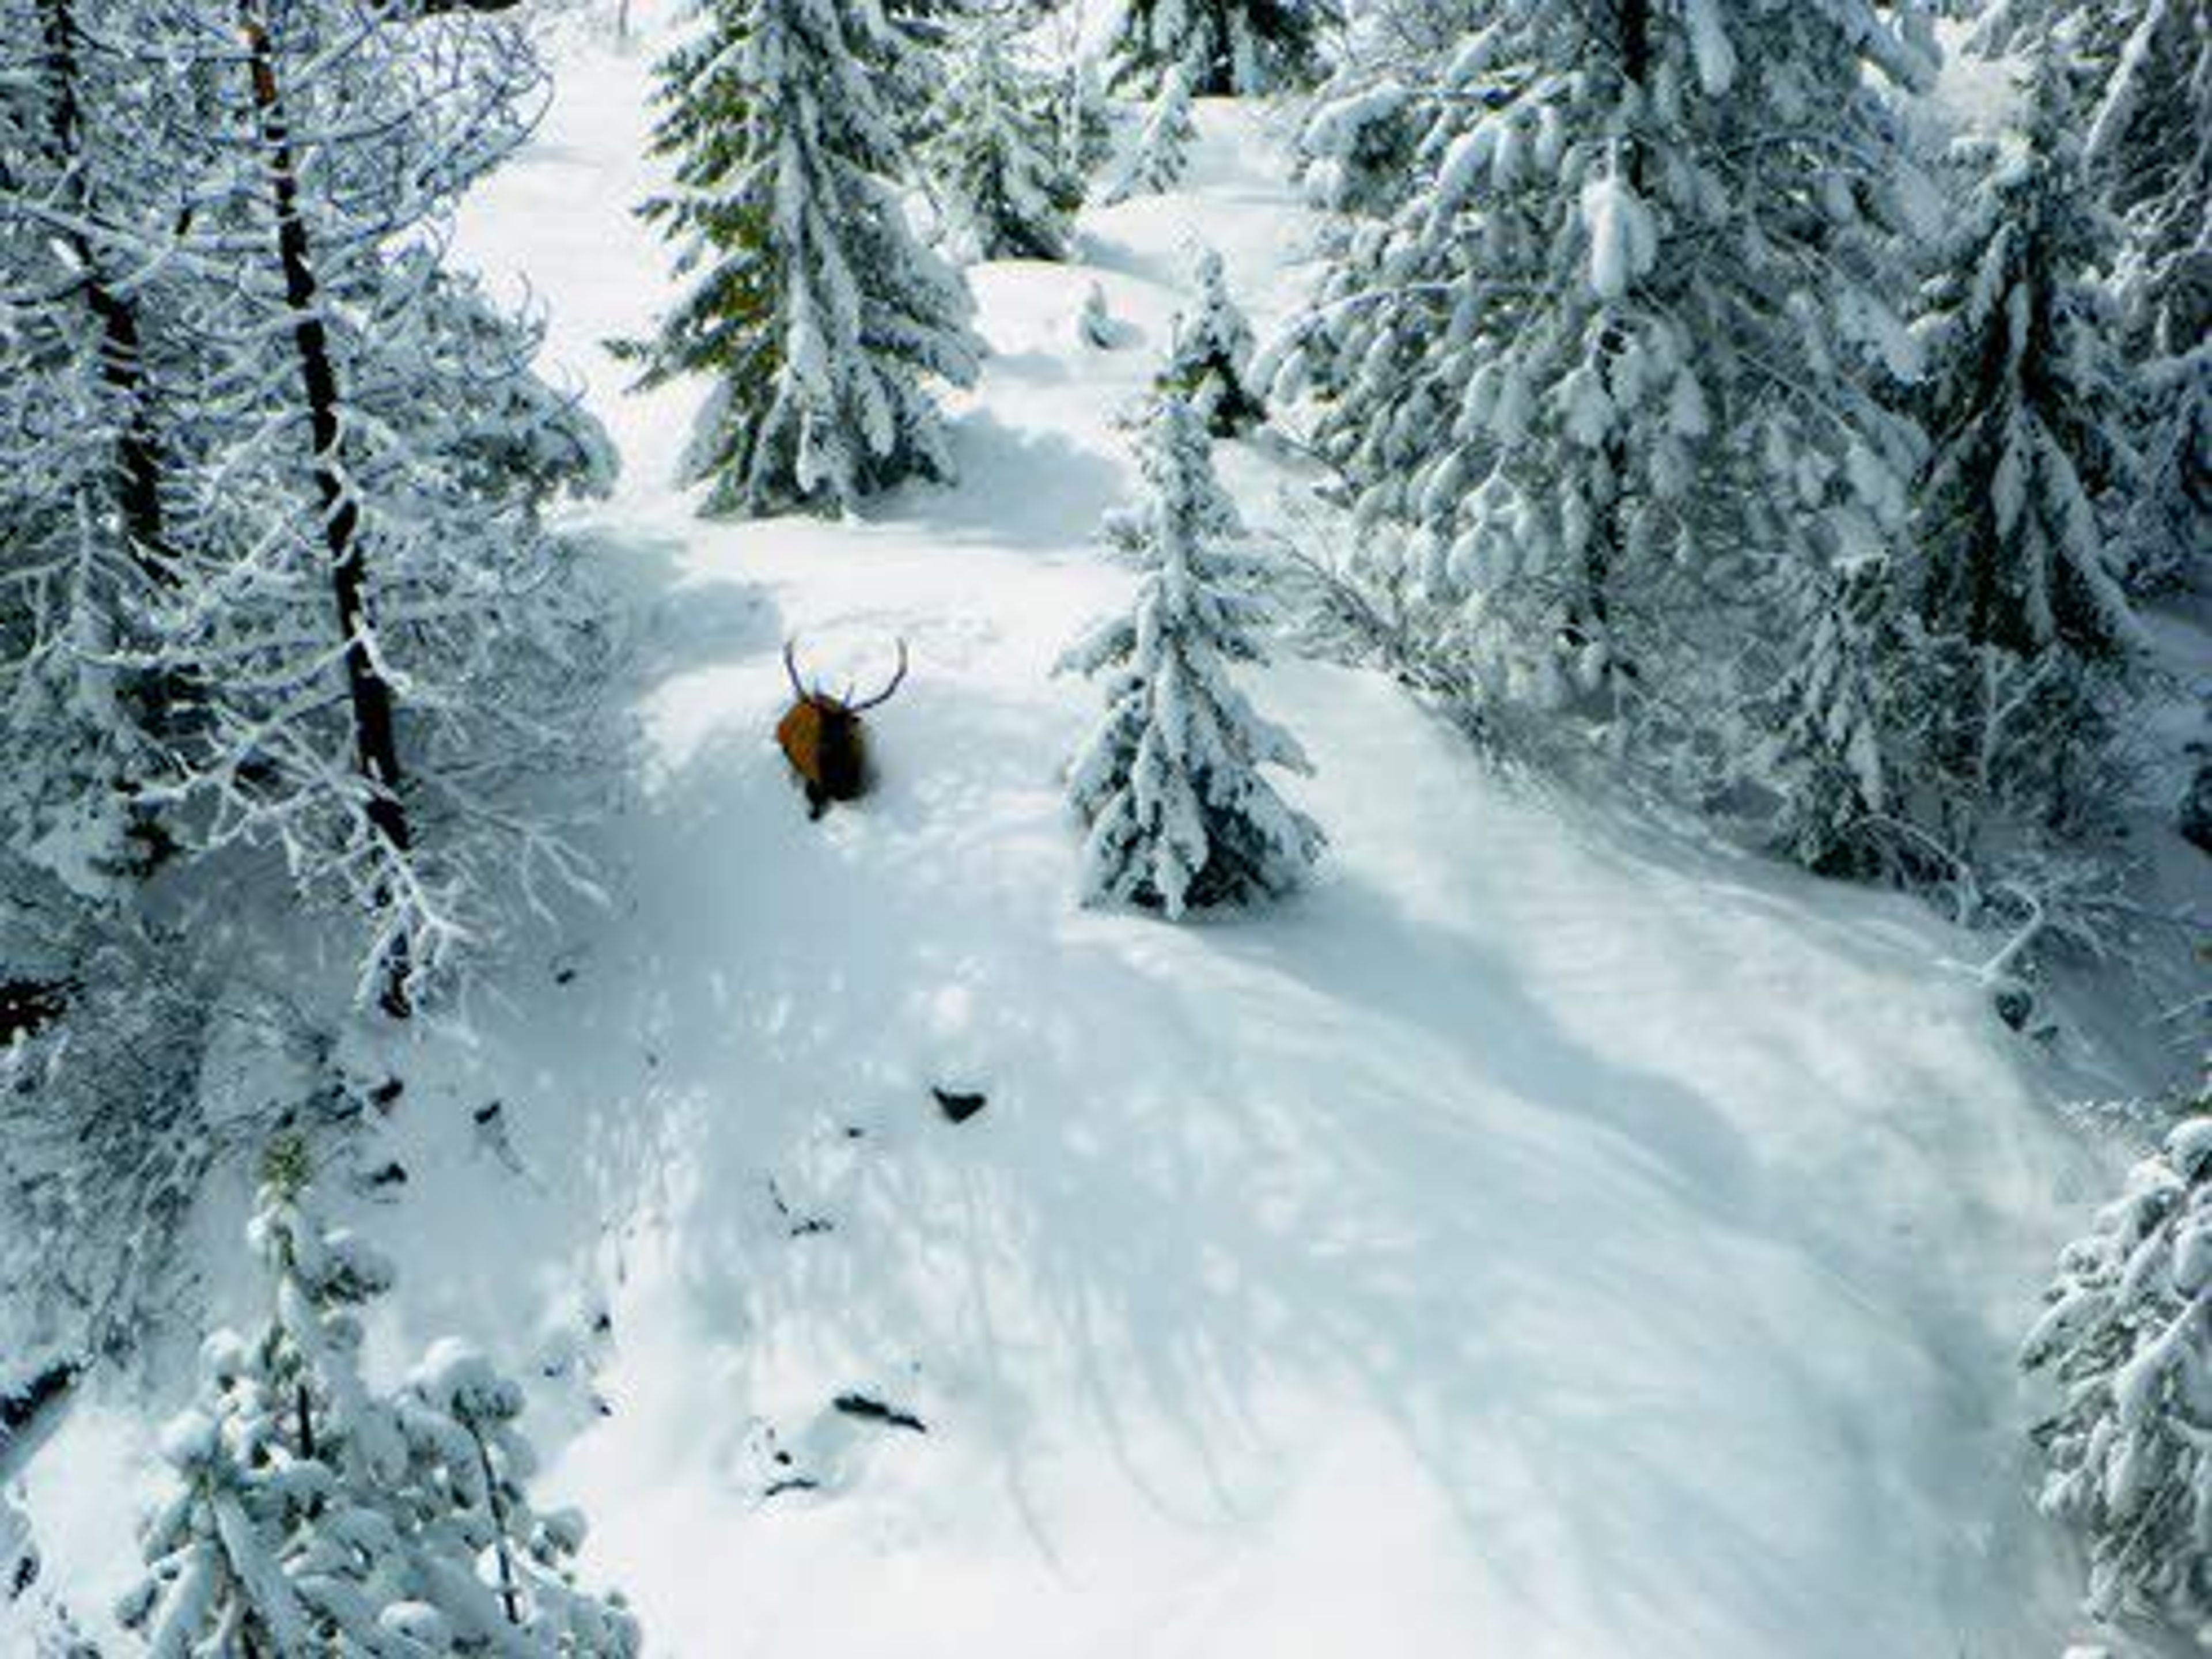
<point>823,738</point>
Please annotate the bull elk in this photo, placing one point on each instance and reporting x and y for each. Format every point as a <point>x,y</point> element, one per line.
<point>822,737</point>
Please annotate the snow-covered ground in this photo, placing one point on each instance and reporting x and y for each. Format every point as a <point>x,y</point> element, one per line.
<point>1548,1237</point>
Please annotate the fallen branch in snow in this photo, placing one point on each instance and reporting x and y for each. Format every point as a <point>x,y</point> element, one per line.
<point>869,1409</point>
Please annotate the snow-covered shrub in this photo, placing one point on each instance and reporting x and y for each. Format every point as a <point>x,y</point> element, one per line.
<point>819,315</point>
<point>1179,816</point>
<point>1209,364</point>
<point>1161,154</point>
<point>2127,1338</point>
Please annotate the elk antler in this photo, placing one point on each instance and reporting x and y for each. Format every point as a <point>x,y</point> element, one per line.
<point>885,695</point>
<point>790,668</point>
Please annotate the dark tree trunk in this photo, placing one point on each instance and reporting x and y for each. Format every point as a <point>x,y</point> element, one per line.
<point>122,361</point>
<point>1589,616</point>
<point>376,748</point>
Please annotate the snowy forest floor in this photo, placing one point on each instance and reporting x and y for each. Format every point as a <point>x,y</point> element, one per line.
<point>1550,1237</point>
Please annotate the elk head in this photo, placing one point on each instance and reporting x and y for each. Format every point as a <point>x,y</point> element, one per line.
<point>821,736</point>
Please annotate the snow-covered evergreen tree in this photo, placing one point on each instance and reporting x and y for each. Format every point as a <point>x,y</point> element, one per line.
<point>1096,326</point>
<point>995,158</point>
<point>1179,816</point>
<point>2135,78</point>
<point>2127,1338</point>
<point>225,1552</point>
<point>303,559</point>
<point>813,308</point>
<point>82,466</point>
<point>1835,748</point>
<point>2149,146</point>
<point>103,1031</point>
<point>1223,47</point>
<point>1609,364</point>
<point>2169,525</point>
<point>2025,405</point>
<point>1083,122</point>
<point>1209,364</point>
<point>465,1503</point>
<point>1161,153</point>
<point>315,1514</point>
<point>272,1543</point>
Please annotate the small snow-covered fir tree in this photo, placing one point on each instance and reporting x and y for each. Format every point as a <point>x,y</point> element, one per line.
<point>1161,154</point>
<point>315,1514</point>
<point>225,1552</point>
<point>2169,525</point>
<point>1224,47</point>
<point>817,313</point>
<point>1097,326</point>
<point>273,1543</point>
<point>1082,121</point>
<point>993,158</point>
<point>2025,405</point>
<point>1836,751</point>
<point>1180,817</point>
<point>2127,1338</point>
<point>1209,364</point>
<point>466,1502</point>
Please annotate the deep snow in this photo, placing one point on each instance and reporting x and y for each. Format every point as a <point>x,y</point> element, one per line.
<point>1550,1237</point>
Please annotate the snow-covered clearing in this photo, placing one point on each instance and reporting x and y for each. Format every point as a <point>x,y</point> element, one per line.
<point>1546,1238</point>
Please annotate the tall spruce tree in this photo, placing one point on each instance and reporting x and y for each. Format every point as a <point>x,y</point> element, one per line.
<point>814,309</point>
<point>2015,577</point>
<point>2135,77</point>
<point>1180,816</point>
<point>2149,146</point>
